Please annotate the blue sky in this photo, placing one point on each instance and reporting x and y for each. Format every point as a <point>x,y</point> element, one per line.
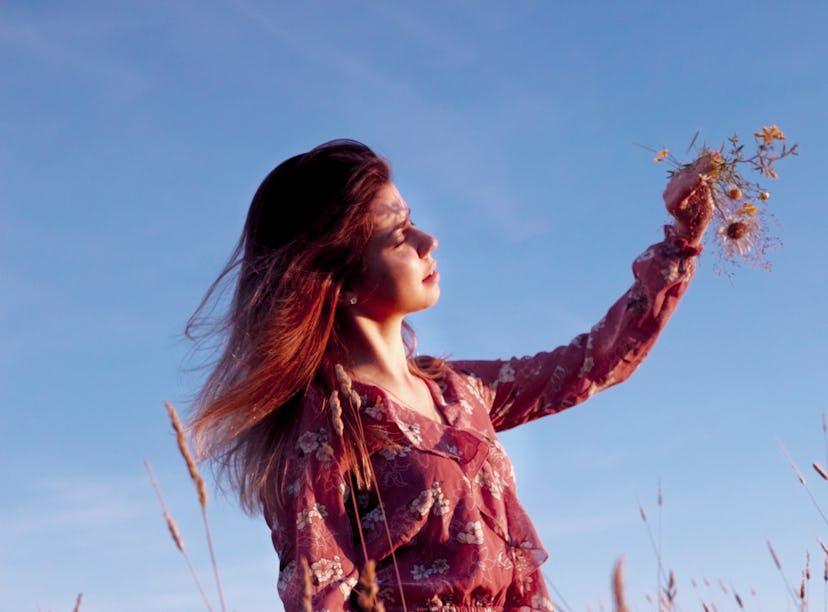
<point>132,136</point>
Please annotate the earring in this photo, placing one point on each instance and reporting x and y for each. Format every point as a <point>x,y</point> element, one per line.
<point>352,300</point>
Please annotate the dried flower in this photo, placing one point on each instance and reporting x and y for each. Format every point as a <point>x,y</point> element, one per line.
<point>748,208</point>
<point>661,155</point>
<point>737,236</point>
<point>736,230</point>
<point>769,134</point>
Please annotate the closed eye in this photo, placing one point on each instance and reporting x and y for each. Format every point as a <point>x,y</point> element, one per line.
<point>400,234</point>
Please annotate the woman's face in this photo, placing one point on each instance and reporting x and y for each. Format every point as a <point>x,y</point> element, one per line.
<point>399,274</point>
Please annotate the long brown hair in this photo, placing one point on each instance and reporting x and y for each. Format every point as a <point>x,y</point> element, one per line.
<point>303,241</point>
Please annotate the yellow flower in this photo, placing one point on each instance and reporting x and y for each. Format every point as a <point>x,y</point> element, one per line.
<point>661,155</point>
<point>748,209</point>
<point>718,164</point>
<point>769,134</point>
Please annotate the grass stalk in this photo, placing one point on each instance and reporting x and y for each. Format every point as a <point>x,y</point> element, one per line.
<point>778,565</point>
<point>825,436</point>
<point>655,545</point>
<point>201,490</point>
<point>564,605</point>
<point>804,482</point>
<point>176,536</point>
<point>619,600</point>
<point>307,587</point>
<point>660,549</point>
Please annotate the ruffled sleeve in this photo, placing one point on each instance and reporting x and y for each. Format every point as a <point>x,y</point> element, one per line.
<point>312,525</point>
<point>527,388</point>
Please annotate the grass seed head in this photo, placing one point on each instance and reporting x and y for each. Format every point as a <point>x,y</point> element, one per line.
<point>618,586</point>
<point>192,468</point>
<point>176,535</point>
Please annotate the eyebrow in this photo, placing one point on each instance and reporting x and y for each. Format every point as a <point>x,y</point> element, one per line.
<point>393,208</point>
<point>404,221</point>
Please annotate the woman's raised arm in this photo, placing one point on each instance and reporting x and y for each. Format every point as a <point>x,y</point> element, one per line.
<point>530,387</point>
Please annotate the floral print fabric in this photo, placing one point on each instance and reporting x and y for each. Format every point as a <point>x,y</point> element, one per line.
<point>447,517</point>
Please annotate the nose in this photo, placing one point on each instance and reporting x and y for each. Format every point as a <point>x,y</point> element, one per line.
<point>426,243</point>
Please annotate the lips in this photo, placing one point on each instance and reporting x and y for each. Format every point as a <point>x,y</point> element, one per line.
<point>433,275</point>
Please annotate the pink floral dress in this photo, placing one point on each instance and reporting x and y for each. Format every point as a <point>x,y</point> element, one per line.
<point>447,506</point>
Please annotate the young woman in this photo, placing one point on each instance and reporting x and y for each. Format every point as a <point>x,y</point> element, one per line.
<point>353,449</point>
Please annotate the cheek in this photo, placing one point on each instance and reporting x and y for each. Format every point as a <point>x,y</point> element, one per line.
<point>374,278</point>
<point>390,279</point>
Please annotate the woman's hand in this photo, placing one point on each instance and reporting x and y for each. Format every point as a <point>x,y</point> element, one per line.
<point>688,198</point>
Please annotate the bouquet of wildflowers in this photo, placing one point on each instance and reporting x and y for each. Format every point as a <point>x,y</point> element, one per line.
<point>741,215</point>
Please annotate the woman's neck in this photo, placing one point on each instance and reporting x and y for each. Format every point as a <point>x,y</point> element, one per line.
<point>377,352</point>
<point>378,357</point>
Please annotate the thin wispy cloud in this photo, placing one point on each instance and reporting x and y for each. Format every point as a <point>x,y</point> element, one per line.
<point>76,46</point>
<point>77,504</point>
<point>333,57</point>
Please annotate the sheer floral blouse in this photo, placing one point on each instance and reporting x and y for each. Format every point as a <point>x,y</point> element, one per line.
<point>447,530</point>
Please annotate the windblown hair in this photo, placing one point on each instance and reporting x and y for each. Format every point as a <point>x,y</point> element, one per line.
<point>303,242</point>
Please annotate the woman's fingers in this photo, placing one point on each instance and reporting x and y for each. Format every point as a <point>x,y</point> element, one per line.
<point>689,178</point>
<point>688,198</point>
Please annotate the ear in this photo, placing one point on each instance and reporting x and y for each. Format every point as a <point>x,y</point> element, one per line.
<point>349,291</point>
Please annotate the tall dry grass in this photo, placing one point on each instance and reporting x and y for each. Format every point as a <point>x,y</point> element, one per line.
<point>201,492</point>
